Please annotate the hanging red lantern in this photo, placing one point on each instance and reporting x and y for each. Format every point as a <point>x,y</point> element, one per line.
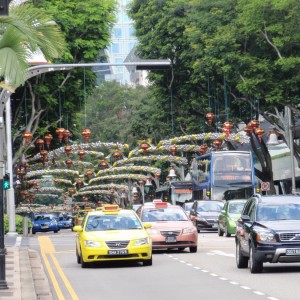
<point>79,182</point>
<point>66,135</point>
<point>69,163</point>
<point>20,173</point>
<point>103,164</point>
<point>248,130</point>
<point>203,149</point>
<point>144,146</point>
<point>157,175</point>
<point>254,124</point>
<point>72,192</point>
<point>228,125</point>
<point>259,132</point>
<point>86,134</point>
<point>116,155</point>
<point>218,143</point>
<point>27,136</point>
<point>39,143</point>
<point>56,181</point>
<point>173,149</point>
<point>44,153</point>
<point>60,133</point>
<point>81,154</point>
<point>210,116</point>
<point>89,173</point>
<point>85,199</point>
<point>68,150</point>
<point>48,138</point>
<point>226,130</point>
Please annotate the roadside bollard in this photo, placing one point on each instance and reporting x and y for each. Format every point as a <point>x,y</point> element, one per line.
<point>25,226</point>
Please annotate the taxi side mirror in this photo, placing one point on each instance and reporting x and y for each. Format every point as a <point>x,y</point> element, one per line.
<point>77,228</point>
<point>147,225</point>
<point>192,218</point>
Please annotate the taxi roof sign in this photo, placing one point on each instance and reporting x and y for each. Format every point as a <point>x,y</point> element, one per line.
<point>161,204</point>
<point>110,207</point>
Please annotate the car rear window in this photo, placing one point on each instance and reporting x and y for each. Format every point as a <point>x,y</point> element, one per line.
<point>163,214</point>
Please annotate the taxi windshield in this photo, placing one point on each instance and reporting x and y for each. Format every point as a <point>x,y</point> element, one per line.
<point>112,222</point>
<point>164,214</point>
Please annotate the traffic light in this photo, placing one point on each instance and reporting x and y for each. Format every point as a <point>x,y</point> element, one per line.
<point>4,7</point>
<point>6,183</point>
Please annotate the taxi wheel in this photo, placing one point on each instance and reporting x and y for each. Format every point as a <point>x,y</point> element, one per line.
<point>220,231</point>
<point>78,257</point>
<point>147,262</point>
<point>83,264</point>
<point>227,234</point>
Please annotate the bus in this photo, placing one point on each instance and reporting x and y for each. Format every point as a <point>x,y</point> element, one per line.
<point>175,192</point>
<point>223,175</point>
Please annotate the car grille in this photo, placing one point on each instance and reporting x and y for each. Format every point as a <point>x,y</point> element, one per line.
<point>290,236</point>
<point>211,221</point>
<point>117,244</point>
<point>170,232</point>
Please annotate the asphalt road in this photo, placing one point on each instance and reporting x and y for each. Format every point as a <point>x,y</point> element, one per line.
<point>209,274</point>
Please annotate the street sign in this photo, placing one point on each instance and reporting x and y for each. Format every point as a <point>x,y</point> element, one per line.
<point>265,186</point>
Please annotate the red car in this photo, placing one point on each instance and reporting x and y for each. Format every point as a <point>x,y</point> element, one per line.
<point>171,227</point>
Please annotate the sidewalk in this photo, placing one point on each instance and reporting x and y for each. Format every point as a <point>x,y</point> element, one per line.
<point>25,275</point>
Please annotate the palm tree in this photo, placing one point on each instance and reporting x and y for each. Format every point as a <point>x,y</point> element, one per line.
<point>26,30</point>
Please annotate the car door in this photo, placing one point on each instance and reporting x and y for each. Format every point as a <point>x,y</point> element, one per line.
<point>222,217</point>
<point>248,219</point>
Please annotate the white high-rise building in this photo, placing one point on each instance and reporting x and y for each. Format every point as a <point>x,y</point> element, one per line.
<point>123,41</point>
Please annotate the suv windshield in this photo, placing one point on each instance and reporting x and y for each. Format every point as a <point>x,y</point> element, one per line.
<point>281,211</point>
<point>163,214</point>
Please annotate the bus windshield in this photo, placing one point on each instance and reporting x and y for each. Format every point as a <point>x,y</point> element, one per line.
<point>223,175</point>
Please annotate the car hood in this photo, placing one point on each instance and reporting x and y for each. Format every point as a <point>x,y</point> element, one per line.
<point>282,225</point>
<point>167,225</point>
<point>116,234</point>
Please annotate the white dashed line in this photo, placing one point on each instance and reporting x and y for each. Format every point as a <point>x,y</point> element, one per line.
<point>219,277</point>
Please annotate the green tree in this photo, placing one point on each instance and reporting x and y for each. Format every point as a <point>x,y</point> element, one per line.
<point>51,100</point>
<point>26,30</point>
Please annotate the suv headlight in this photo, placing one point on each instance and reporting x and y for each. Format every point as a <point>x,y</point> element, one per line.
<point>188,230</point>
<point>91,244</point>
<point>143,241</point>
<point>265,236</point>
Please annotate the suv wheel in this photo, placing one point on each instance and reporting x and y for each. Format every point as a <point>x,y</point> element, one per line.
<point>255,266</point>
<point>241,260</point>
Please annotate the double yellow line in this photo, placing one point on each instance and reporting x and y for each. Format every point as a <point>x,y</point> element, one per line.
<point>47,248</point>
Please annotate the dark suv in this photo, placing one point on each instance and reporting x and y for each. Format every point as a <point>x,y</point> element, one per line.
<point>268,231</point>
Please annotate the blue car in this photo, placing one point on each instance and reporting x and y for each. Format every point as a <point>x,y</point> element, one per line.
<point>65,222</point>
<point>44,222</point>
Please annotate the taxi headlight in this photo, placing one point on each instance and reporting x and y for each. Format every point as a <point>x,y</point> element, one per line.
<point>188,230</point>
<point>152,231</point>
<point>143,241</point>
<point>53,222</point>
<point>91,244</point>
<point>200,219</point>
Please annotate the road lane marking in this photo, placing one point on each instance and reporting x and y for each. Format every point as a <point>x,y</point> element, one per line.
<point>223,278</point>
<point>47,247</point>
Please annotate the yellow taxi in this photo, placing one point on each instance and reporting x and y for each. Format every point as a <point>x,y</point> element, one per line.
<point>112,234</point>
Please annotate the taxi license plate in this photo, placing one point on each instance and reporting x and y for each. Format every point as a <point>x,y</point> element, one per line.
<point>170,239</point>
<point>44,226</point>
<point>117,252</point>
<point>215,225</point>
<point>292,252</point>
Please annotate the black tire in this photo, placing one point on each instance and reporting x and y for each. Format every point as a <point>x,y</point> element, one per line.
<point>147,262</point>
<point>227,234</point>
<point>220,231</point>
<point>78,257</point>
<point>83,263</point>
<point>181,249</point>
<point>254,265</point>
<point>241,260</point>
<point>193,249</point>
<point>33,232</point>
<point>55,231</point>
